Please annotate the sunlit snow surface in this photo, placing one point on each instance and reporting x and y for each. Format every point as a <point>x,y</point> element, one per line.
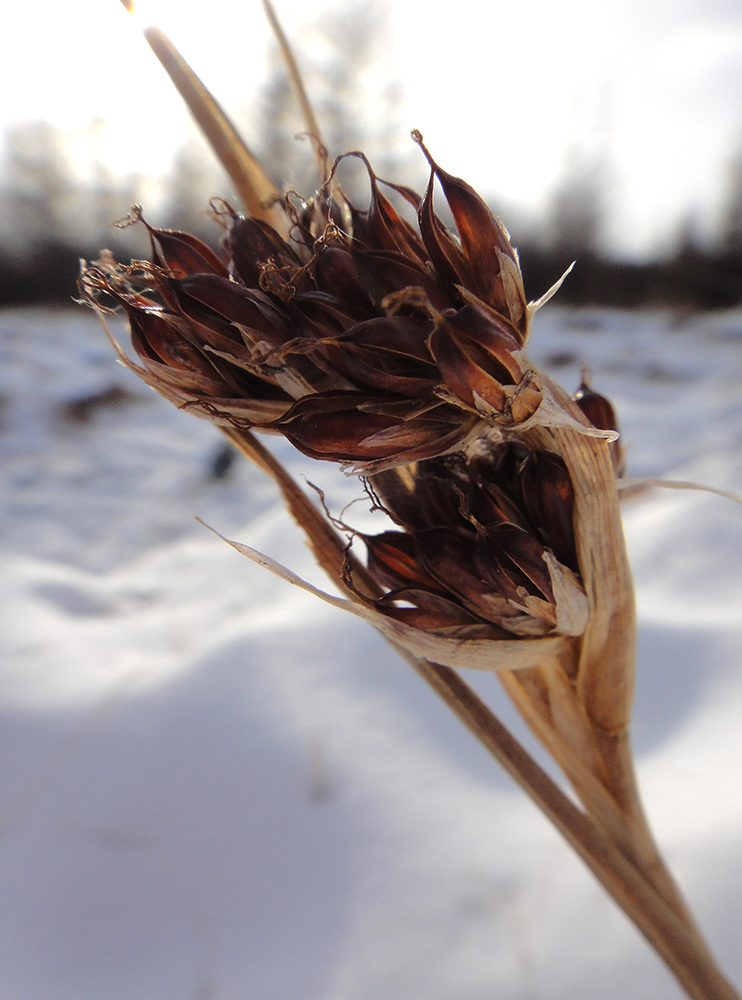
<point>213,787</point>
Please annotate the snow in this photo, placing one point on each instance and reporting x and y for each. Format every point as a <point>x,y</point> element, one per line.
<point>214,786</point>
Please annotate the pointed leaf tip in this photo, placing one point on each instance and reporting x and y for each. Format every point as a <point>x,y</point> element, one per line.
<point>256,191</point>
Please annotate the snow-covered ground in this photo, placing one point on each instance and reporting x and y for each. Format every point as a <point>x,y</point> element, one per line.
<point>213,787</point>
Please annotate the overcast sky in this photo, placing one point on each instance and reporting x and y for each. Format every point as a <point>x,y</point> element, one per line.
<point>507,94</point>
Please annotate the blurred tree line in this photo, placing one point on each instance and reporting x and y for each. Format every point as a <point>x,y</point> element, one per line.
<point>55,210</point>
<point>694,273</point>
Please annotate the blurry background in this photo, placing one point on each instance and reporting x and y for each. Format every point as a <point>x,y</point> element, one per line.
<point>610,133</point>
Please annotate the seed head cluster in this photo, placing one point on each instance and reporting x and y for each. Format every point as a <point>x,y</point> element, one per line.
<point>393,349</point>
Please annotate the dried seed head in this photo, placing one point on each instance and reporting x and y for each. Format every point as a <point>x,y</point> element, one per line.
<point>360,338</point>
<point>399,350</point>
<point>475,552</point>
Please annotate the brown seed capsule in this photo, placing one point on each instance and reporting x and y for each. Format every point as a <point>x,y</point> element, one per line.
<point>459,543</point>
<point>548,498</point>
<point>596,408</point>
<point>599,411</point>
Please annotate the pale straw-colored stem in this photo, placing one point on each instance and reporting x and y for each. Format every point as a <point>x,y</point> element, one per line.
<point>550,709</point>
<point>581,710</point>
<point>682,948</point>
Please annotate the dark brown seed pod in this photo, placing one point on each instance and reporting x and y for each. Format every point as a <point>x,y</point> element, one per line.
<point>599,411</point>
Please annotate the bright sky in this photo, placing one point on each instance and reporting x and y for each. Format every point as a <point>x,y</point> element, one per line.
<point>504,92</point>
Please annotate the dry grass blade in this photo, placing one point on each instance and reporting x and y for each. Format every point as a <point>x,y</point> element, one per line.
<point>297,85</point>
<point>636,486</point>
<point>254,188</point>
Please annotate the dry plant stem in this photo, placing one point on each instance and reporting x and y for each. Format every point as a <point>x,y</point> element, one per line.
<point>580,711</point>
<point>328,548</point>
<point>297,85</point>
<point>682,949</point>
<point>624,877</point>
<point>253,186</point>
<point>550,716</point>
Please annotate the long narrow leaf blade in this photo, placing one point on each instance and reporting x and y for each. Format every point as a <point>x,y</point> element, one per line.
<point>254,188</point>
<point>297,85</point>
